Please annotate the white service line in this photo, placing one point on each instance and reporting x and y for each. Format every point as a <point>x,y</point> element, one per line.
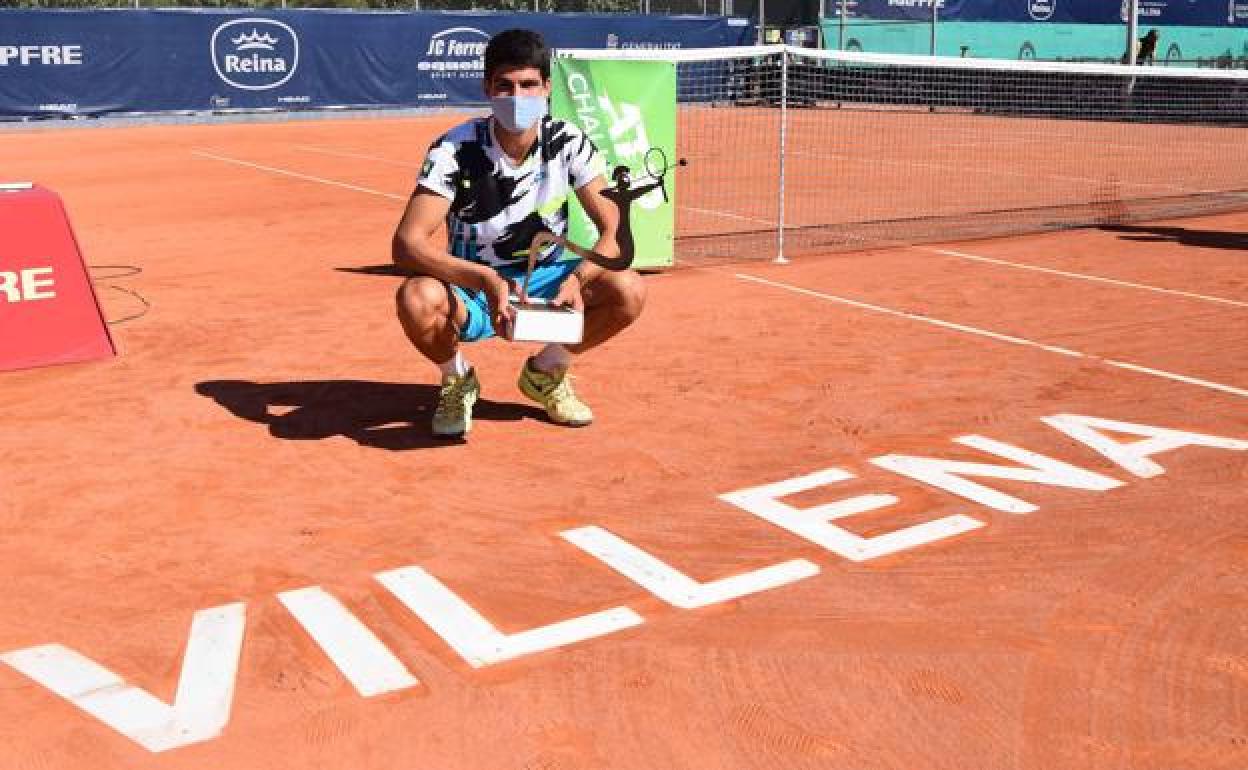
<point>728,215</point>
<point>356,155</point>
<point>1001,337</point>
<point>296,174</point>
<point>1083,276</point>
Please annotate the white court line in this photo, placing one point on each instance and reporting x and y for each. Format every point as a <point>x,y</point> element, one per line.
<point>727,215</point>
<point>357,155</point>
<point>1001,337</point>
<point>1083,276</point>
<point>297,175</point>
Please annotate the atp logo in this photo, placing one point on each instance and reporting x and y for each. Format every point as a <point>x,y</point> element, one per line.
<point>255,54</point>
<point>625,126</point>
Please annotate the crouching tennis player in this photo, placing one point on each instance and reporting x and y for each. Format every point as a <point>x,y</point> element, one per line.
<point>497,182</point>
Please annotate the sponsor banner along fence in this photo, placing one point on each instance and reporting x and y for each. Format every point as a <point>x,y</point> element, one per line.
<point>1193,13</point>
<point>1184,46</point>
<point>95,62</point>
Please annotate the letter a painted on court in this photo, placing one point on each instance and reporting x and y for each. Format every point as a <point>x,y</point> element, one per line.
<point>201,707</point>
<point>48,309</point>
<point>1133,456</point>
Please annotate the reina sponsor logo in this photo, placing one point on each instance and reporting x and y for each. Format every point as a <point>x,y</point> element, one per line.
<point>458,52</point>
<point>255,54</point>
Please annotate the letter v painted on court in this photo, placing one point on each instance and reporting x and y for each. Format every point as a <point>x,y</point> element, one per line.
<point>200,709</point>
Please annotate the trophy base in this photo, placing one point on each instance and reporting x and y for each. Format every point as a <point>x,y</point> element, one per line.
<point>539,321</point>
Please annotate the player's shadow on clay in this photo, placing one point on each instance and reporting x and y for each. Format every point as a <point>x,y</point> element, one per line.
<point>1207,239</point>
<point>382,415</point>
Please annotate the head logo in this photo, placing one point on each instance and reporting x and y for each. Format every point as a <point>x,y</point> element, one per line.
<point>458,52</point>
<point>1041,10</point>
<point>255,54</point>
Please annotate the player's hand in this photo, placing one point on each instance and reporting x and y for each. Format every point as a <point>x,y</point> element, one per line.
<point>569,294</point>
<point>498,291</point>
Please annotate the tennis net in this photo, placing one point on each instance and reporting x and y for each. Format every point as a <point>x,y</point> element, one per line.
<point>794,150</point>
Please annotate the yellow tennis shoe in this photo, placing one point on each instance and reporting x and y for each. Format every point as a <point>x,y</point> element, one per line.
<point>453,417</point>
<point>554,392</point>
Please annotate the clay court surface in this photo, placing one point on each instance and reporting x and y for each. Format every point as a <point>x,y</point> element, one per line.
<point>264,430</point>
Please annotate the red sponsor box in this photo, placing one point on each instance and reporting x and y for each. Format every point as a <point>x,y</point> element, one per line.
<point>49,313</point>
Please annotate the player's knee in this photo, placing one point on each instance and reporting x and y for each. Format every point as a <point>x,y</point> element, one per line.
<point>630,295</point>
<point>422,298</point>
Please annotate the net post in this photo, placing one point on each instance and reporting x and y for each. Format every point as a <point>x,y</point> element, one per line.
<point>1133,29</point>
<point>840,39</point>
<point>784,130</point>
<point>935,20</point>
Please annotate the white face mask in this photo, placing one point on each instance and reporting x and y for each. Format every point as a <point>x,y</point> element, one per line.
<point>517,114</point>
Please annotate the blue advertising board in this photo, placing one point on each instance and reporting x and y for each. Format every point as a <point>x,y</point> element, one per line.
<point>93,62</point>
<point>1197,13</point>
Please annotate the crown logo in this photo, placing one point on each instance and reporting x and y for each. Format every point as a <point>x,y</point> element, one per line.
<point>262,40</point>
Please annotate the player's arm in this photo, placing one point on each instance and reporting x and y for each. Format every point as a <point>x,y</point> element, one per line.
<point>417,249</point>
<point>606,217</point>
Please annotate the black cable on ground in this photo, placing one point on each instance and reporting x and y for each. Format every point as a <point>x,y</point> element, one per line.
<point>120,271</point>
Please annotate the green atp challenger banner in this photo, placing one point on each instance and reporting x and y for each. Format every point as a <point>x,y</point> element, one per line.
<point>628,109</point>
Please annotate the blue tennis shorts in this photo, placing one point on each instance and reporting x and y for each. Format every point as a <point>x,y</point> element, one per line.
<point>544,283</point>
